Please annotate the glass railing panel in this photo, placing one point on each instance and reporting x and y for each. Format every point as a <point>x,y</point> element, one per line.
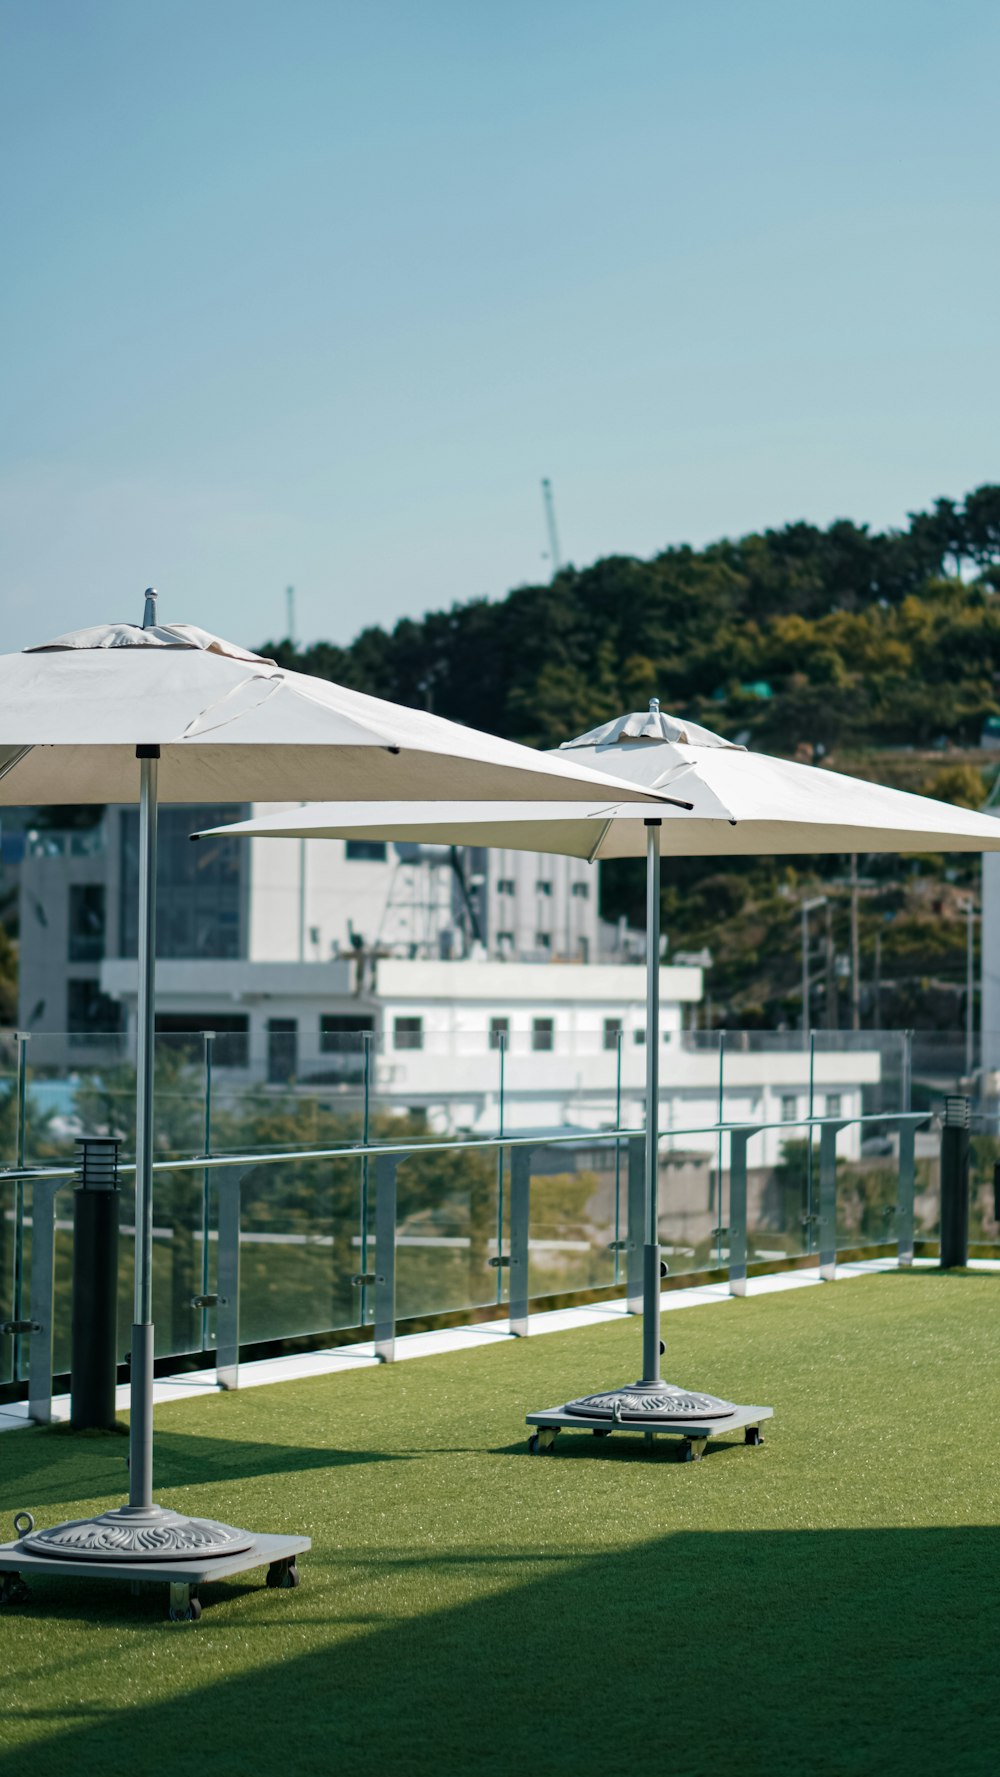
<point>782,1193</point>
<point>177,1217</point>
<point>62,1283</point>
<point>447,1206</point>
<point>8,1098</point>
<point>299,1248</point>
<point>7,1245</point>
<point>927,1185</point>
<point>984,1182</point>
<point>867,1185</point>
<point>78,1089</point>
<point>688,1202</point>
<point>572,1219</point>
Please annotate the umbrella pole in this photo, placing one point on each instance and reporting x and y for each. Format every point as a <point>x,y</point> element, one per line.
<point>651,1248</point>
<point>141,1422</point>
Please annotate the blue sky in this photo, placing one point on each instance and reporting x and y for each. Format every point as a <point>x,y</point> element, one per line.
<point>316,293</point>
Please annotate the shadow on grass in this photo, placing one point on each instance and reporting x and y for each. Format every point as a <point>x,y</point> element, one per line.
<point>54,1464</point>
<point>837,1652</point>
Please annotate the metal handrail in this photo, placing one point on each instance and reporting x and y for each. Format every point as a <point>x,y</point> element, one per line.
<point>205,1162</point>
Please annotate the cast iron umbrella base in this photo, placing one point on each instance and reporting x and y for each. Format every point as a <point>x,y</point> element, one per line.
<point>180,1572</point>
<point>646,1403</point>
<point>676,1414</point>
<point>139,1533</point>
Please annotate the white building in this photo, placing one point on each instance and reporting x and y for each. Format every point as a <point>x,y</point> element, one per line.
<point>313,962</point>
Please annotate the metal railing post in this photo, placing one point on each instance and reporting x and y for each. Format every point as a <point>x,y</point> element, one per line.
<point>636,1221</point>
<point>809,1219</point>
<point>905,1190</point>
<point>501,1046</point>
<point>718,1191</point>
<point>208,1040</point>
<point>617,1247</point>
<point>226,1302</point>
<point>828,1200</point>
<point>17,1292</point>
<point>739,1140</point>
<point>366,1039</point>
<point>385,1257</point>
<point>520,1201</point>
<point>43,1227</point>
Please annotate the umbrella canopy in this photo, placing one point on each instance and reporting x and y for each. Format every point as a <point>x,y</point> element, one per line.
<point>234,727</point>
<point>119,713</point>
<point>728,801</point>
<point>861,817</point>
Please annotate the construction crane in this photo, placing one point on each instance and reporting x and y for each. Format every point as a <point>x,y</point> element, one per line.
<point>550,520</point>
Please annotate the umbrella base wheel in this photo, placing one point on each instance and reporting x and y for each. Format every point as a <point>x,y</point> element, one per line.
<point>14,1590</point>
<point>543,1442</point>
<point>283,1575</point>
<point>185,1605</point>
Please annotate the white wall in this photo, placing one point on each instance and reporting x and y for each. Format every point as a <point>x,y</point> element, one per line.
<point>306,896</point>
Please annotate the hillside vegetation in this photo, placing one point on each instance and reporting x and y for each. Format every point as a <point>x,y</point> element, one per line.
<point>863,638</point>
<point>875,652</point>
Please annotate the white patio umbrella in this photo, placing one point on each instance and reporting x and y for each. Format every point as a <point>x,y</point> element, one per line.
<point>120,713</point>
<point>729,802</point>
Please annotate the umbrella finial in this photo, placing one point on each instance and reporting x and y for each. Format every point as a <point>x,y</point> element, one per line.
<point>149,614</point>
<point>654,706</point>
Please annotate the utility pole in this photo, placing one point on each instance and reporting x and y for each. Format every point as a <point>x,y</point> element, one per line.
<point>831,972</point>
<point>806,908</point>
<point>855,948</point>
<point>290,604</point>
<point>550,521</point>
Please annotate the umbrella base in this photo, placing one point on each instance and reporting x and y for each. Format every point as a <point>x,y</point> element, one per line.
<point>180,1577</point>
<point>646,1403</point>
<point>693,1429</point>
<point>138,1533</point>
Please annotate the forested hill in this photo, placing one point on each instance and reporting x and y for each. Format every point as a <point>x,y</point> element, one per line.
<point>836,637</point>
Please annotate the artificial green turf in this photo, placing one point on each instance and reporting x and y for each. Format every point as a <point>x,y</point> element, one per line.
<point>828,1603</point>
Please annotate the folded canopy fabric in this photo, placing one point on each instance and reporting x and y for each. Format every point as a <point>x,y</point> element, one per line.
<point>234,727</point>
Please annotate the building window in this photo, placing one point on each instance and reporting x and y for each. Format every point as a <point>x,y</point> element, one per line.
<point>789,1107</point>
<point>90,1014</point>
<point>581,890</point>
<point>499,1033</point>
<point>506,885</point>
<point>505,940</point>
<point>340,1031</point>
<point>201,888</point>
<point>639,1035</point>
<point>230,1033</point>
<point>86,922</point>
<point>365,851</point>
<point>543,886</point>
<point>543,1034</point>
<point>612,1032</point>
<point>543,940</point>
<point>282,1050</point>
<point>833,1104</point>
<point>408,1033</point>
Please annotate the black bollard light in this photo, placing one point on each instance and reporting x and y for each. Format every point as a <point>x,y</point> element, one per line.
<point>955,1183</point>
<point>95,1286</point>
